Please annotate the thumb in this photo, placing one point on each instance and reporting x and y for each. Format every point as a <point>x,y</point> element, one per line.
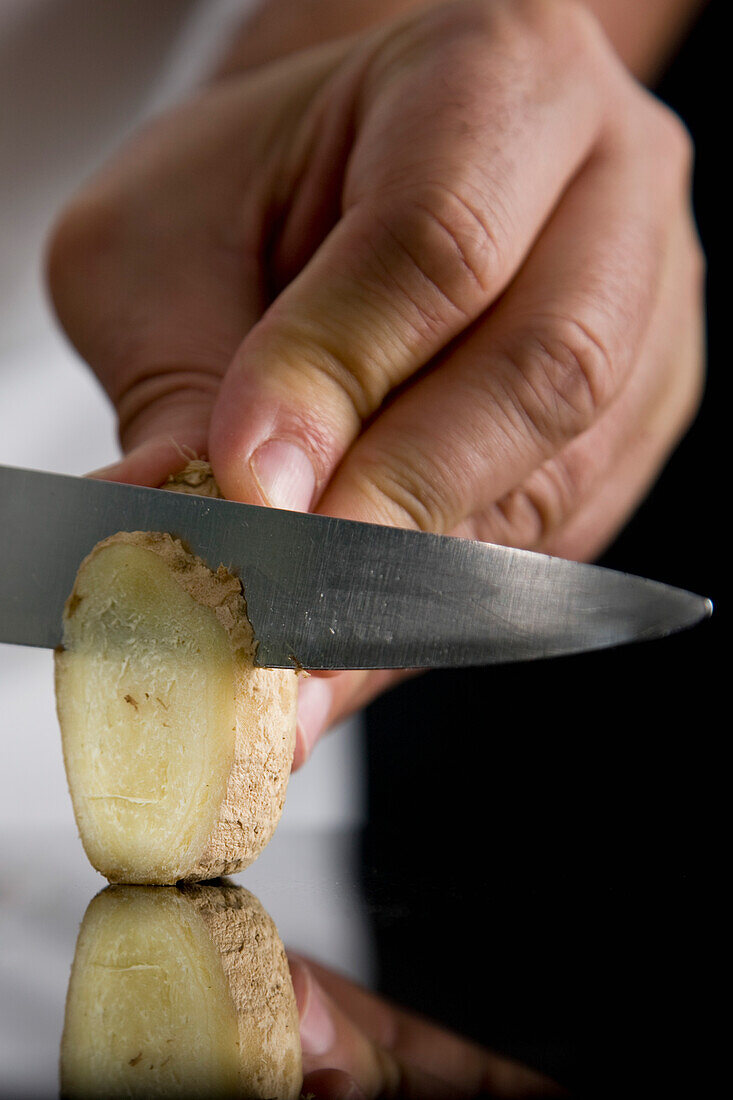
<point>360,318</point>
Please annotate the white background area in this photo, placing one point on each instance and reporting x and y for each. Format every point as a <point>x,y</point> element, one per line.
<point>75,77</point>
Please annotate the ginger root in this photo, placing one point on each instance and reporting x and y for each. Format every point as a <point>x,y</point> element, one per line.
<point>177,748</point>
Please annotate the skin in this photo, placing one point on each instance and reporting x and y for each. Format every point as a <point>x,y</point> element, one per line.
<point>644,35</point>
<point>357,1045</point>
<point>441,274</point>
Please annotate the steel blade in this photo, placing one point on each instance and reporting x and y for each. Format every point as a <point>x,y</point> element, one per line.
<point>331,594</point>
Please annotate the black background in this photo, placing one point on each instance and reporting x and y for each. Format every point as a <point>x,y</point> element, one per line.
<point>562,822</point>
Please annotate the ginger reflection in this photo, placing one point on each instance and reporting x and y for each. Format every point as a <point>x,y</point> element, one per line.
<point>187,992</point>
<point>180,992</point>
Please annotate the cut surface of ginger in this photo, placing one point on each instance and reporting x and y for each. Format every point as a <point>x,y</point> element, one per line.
<point>180,992</point>
<point>177,749</point>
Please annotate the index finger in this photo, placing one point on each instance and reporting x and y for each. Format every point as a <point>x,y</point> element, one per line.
<point>470,123</point>
<point>389,1051</point>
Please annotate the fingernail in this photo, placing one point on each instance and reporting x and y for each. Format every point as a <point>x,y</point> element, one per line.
<point>317,1029</point>
<point>314,704</point>
<point>284,474</point>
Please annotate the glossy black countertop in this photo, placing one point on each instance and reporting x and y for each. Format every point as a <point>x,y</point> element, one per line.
<point>572,972</point>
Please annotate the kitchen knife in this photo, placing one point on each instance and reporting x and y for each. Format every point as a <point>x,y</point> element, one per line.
<point>330,594</point>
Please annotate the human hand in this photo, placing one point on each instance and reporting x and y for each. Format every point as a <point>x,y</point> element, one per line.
<point>357,1046</point>
<point>443,276</point>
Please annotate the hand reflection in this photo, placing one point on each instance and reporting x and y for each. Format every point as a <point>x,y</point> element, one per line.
<point>187,992</point>
<point>356,1045</point>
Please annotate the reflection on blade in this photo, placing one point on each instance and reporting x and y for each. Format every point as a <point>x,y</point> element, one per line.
<point>180,991</point>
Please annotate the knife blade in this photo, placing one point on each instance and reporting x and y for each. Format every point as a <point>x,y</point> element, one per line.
<point>331,594</point>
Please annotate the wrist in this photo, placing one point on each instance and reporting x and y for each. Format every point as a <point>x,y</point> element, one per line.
<point>277,28</point>
<point>645,35</point>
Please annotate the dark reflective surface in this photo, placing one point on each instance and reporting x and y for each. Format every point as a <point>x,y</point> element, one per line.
<point>435,965</point>
<point>187,992</point>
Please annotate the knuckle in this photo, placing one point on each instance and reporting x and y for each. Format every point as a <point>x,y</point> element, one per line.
<point>312,356</point>
<point>83,277</point>
<point>529,514</point>
<point>83,232</point>
<point>403,494</point>
<point>676,138</point>
<point>662,138</point>
<point>565,378</point>
<point>178,394</point>
<point>444,235</point>
<point>671,140</point>
<point>468,247</point>
<point>542,505</point>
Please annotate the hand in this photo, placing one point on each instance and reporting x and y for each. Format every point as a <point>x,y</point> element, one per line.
<point>443,275</point>
<point>356,1045</point>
